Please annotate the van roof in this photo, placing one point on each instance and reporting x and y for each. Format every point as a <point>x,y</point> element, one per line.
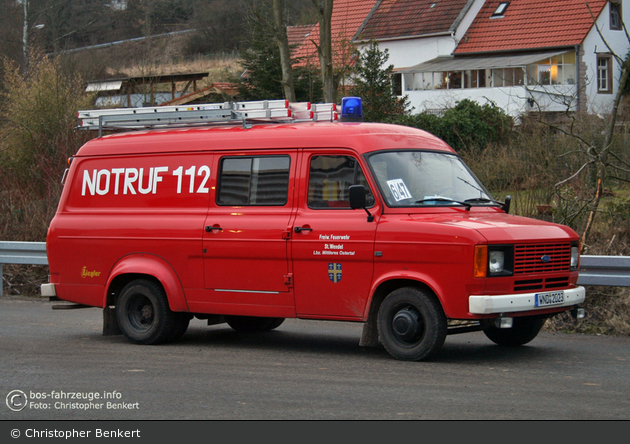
<point>361,137</point>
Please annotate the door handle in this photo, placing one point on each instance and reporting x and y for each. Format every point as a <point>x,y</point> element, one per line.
<point>209,228</point>
<point>300,229</point>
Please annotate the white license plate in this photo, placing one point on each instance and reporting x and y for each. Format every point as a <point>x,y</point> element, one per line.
<point>549,298</point>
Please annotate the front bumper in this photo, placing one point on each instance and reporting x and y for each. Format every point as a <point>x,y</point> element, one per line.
<point>509,303</point>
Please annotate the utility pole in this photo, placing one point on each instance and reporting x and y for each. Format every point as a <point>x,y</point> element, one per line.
<point>25,30</point>
<point>25,34</point>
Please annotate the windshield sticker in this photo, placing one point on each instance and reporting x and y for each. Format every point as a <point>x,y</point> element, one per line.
<point>399,189</point>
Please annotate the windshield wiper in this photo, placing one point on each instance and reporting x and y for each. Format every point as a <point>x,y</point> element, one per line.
<point>482,200</point>
<point>444,199</point>
<point>504,205</point>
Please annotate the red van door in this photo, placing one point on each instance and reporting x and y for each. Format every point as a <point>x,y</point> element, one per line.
<point>245,243</point>
<point>333,245</point>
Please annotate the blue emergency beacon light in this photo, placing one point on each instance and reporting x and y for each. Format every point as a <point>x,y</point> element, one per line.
<point>351,109</point>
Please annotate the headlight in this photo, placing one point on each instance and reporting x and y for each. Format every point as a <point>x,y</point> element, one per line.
<point>500,260</point>
<point>493,260</point>
<point>575,255</point>
<point>496,262</point>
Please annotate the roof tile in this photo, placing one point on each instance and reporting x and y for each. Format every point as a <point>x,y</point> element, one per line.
<point>530,24</point>
<point>407,18</point>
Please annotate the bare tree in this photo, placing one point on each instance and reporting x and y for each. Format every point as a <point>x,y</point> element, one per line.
<point>324,48</point>
<point>280,35</point>
<point>598,154</point>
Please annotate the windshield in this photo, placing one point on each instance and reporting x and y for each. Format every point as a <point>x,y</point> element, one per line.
<point>420,178</point>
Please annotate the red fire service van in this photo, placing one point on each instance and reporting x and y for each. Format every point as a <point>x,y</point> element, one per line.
<point>214,214</point>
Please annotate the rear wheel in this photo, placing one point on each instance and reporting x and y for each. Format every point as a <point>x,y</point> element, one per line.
<point>524,329</point>
<point>411,324</point>
<point>144,316</point>
<point>253,324</point>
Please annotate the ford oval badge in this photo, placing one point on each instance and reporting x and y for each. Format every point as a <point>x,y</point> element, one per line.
<point>546,258</point>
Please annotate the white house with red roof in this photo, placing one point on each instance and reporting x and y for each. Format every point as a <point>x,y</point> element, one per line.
<point>523,55</point>
<point>415,31</point>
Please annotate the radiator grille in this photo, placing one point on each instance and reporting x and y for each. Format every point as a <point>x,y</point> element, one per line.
<point>528,259</point>
<point>541,284</point>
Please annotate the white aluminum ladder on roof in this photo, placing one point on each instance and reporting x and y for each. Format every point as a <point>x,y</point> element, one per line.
<point>226,112</point>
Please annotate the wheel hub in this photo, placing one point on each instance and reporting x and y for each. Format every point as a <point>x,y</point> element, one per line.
<point>147,312</point>
<point>406,324</point>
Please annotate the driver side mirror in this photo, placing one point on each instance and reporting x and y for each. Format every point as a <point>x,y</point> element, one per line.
<point>357,197</point>
<point>358,201</point>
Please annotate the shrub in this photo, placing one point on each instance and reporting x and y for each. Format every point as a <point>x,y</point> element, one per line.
<point>36,138</point>
<point>466,127</point>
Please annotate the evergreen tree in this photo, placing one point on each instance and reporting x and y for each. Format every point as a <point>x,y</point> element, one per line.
<point>372,82</point>
<point>262,75</point>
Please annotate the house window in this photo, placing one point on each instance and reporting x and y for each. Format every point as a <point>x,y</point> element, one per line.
<point>615,15</point>
<point>500,11</point>
<point>453,79</point>
<point>397,84</point>
<point>508,77</point>
<point>604,74</point>
<point>475,78</point>
<point>558,70</point>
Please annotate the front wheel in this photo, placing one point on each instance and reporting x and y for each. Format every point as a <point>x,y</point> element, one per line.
<point>144,316</point>
<point>524,329</point>
<point>411,324</point>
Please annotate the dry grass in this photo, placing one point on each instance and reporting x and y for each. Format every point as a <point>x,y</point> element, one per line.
<point>607,313</point>
<point>23,280</point>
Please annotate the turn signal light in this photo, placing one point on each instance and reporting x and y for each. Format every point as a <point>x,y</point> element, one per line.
<point>480,261</point>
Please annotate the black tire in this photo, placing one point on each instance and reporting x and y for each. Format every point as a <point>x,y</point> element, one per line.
<point>524,329</point>
<point>411,324</point>
<point>144,316</point>
<point>253,324</point>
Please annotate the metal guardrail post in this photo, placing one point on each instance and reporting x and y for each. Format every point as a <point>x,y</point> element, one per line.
<point>30,253</point>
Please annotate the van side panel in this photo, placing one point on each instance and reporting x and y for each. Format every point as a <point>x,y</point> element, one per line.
<point>123,205</point>
<point>430,253</point>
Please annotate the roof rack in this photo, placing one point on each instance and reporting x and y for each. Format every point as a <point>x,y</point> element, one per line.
<point>225,112</point>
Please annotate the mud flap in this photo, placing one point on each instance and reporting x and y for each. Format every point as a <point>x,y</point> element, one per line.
<point>110,323</point>
<point>369,336</point>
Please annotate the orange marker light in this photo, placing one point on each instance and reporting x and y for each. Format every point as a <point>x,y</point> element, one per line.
<point>480,261</point>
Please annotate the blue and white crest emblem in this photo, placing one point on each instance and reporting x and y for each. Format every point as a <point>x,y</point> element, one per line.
<point>334,272</point>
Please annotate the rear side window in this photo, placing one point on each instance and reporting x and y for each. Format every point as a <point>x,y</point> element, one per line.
<point>250,181</point>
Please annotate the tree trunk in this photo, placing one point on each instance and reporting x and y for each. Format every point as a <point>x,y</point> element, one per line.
<point>280,34</point>
<point>324,49</point>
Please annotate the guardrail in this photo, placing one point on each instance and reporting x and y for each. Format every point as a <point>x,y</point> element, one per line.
<point>611,271</point>
<point>29,253</point>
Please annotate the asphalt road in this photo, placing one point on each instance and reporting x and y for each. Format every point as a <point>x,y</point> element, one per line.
<point>307,370</point>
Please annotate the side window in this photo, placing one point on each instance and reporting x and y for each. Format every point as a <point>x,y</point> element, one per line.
<point>330,178</point>
<point>615,15</point>
<point>252,181</point>
<point>604,74</point>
